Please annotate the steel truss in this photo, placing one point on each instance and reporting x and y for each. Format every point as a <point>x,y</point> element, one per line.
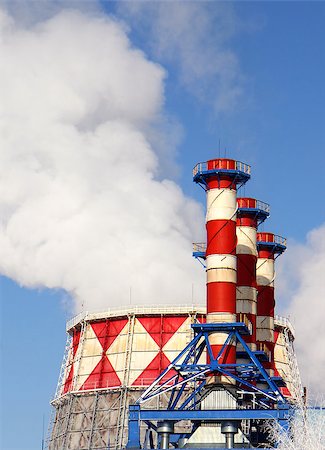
<point>186,382</point>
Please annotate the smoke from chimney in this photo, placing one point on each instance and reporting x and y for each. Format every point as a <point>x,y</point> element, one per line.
<point>82,207</point>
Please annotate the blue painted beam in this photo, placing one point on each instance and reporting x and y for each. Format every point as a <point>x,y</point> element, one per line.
<point>221,327</point>
<point>197,448</point>
<point>213,415</point>
<point>199,255</point>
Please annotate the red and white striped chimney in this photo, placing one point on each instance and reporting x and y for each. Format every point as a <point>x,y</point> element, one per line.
<point>221,253</point>
<point>251,213</point>
<point>220,178</point>
<point>221,261</point>
<point>268,246</point>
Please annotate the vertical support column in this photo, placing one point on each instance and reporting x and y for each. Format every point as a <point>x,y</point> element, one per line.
<point>134,428</point>
<point>221,252</point>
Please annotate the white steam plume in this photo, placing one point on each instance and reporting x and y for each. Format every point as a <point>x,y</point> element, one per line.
<point>301,278</point>
<point>81,207</point>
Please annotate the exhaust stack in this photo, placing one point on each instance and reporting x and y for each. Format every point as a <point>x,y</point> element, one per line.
<point>268,246</point>
<point>251,213</point>
<point>220,178</point>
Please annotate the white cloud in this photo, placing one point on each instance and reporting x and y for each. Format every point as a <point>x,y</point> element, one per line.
<point>28,13</point>
<point>301,278</point>
<point>81,207</point>
<point>194,36</point>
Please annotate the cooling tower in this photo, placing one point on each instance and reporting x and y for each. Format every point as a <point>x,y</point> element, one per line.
<point>112,357</point>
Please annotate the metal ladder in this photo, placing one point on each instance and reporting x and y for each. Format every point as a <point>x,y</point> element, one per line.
<point>59,387</point>
<point>66,359</point>
<point>76,364</point>
<point>79,354</point>
<point>65,434</point>
<point>50,428</point>
<point>93,421</point>
<point>124,390</point>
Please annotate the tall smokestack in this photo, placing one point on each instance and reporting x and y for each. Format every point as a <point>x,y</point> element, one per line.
<point>250,214</point>
<point>268,246</point>
<point>220,177</point>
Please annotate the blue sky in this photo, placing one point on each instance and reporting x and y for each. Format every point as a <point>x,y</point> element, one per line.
<point>276,123</point>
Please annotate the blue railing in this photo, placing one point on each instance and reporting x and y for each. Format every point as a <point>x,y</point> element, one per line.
<point>239,166</point>
<point>263,206</point>
<point>199,247</point>
<point>280,240</point>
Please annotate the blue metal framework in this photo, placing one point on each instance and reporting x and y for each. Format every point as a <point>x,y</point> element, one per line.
<point>185,383</point>
<point>136,415</point>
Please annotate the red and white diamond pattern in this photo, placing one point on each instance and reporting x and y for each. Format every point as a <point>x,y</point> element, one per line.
<point>98,359</point>
<point>101,360</point>
<point>144,351</point>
